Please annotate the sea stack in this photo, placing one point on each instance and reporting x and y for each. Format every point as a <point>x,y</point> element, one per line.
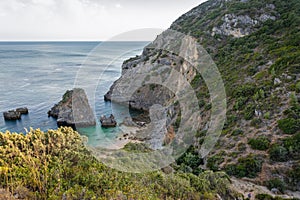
<point>73,110</point>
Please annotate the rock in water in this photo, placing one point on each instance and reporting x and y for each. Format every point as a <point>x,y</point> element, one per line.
<point>23,111</point>
<point>12,115</point>
<point>108,121</point>
<point>73,110</point>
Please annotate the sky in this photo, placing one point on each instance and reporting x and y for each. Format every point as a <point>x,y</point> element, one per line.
<point>87,20</point>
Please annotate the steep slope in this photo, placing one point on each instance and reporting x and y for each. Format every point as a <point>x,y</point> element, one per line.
<point>256,46</point>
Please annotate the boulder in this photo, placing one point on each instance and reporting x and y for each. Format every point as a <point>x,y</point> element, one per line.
<point>107,122</point>
<point>23,111</point>
<point>12,115</point>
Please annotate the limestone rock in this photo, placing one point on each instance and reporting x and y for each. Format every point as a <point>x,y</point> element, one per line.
<point>73,110</point>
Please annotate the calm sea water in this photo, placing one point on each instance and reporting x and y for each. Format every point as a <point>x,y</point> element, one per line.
<point>37,74</point>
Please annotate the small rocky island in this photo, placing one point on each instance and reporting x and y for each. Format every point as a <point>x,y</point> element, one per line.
<point>73,110</point>
<point>108,122</point>
<point>12,115</point>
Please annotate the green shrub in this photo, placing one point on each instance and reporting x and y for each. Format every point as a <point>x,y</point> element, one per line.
<point>263,197</point>
<point>214,161</point>
<point>56,165</point>
<point>249,112</point>
<point>267,115</point>
<point>294,176</point>
<point>246,90</point>
<point>289,125</point>
<point>260,143</point>
<point>230,120</point>
<point>256,122</point>
<point>137,147</point>
<point>292,144</point>
<point>190,159</point>
<point>237,132</point>
<point>248,166</point>
<point>276,183</point>
<point>298,87</point>
<point>278,153</point>
<point>240,103</point>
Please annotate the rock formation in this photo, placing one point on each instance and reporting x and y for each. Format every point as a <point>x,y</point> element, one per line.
<point>107,122</point>
<point>73,110</point>
<point>255,45</point>
<point>15,114</point>
<point>12,115</point>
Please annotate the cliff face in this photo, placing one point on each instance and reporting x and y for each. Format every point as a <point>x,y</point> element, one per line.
<point>256,46</point>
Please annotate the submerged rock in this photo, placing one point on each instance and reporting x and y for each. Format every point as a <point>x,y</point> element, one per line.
<point>73,110</point>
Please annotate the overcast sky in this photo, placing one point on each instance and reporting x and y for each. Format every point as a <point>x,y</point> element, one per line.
<point>96,20</point>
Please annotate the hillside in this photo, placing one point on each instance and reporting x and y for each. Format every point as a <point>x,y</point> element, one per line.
<point>256,47</point>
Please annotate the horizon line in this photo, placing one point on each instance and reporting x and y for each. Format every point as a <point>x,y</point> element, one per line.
<point>74,41</point>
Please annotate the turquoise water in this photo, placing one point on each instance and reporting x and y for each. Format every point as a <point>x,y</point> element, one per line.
<point>37,74</point>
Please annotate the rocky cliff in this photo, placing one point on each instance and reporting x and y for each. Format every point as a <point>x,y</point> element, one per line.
<point>256,46</point>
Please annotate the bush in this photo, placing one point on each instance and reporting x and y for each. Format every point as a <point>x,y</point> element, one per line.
<point>263,197</point>
<point>249,112</point>
<point>137,147</point>
<point>246,90</point>
<point>240,103</point>
<point>294,176</point>
<point>214,161</point>
<point>237,132</point>
<point>56,165</point>
<point>256,122</point>
<point>190,159</point>
<point>289,125</point>
<point>260,143</point>
<point>298,87</point>
<point>276,183</point>
<point>292,144</point>
<point>278,153</point>
<point>248,166</point>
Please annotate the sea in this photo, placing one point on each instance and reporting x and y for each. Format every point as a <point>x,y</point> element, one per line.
<point>36,75</point>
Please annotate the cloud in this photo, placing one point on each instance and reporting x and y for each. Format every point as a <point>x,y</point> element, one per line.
<point>118,5</point>
<point>84,19</point>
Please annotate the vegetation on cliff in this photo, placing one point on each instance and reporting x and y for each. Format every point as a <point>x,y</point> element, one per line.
<point>256,47</point>
<point>260,67</point>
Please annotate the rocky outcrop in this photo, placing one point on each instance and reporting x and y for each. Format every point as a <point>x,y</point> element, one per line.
<point>147,95</point>
<point>15,114</point>
<point>239,25</point>
<point>73,110</point>
<point>23,111</point>
<point>108,122</point>
<point>12,115</point>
